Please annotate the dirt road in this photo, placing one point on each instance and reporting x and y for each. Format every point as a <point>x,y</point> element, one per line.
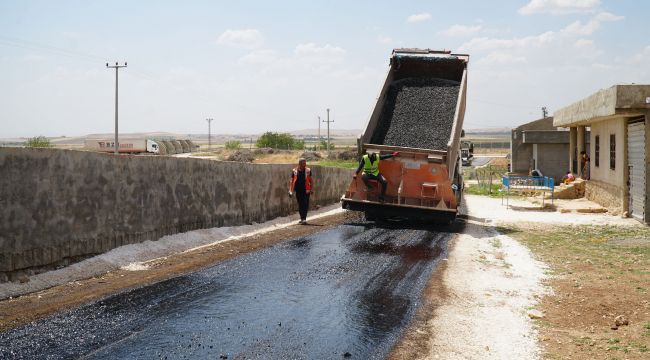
<point>345,291</point>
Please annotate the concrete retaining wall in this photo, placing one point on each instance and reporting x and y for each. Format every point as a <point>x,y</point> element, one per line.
<point>59,205</point>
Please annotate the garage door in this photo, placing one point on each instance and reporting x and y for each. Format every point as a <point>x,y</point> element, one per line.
<point>637,168</point>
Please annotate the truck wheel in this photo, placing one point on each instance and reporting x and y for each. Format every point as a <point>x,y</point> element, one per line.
<point>369,216</point>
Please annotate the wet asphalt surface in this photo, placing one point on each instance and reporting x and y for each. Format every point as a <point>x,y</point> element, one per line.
<point>351,289</point>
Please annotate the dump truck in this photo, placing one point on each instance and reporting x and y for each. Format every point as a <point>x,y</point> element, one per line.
<point>419,113</point>
<point>466,152</point>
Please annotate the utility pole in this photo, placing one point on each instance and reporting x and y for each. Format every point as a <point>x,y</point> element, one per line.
<point>328,121</point>
<point>544,112</point>
<point>209,120</point>
<point>318,132</point>
<point>116,67</point>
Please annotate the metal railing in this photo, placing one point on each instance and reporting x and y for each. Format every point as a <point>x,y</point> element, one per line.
<point>533,184</point>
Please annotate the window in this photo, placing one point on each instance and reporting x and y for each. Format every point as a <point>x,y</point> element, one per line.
<point>597,151</point>
<point>612,151</point>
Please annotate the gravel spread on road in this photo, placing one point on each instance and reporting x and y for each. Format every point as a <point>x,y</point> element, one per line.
<point>418,113</point>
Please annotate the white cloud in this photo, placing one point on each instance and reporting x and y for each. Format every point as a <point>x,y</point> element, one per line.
<point>461,30</point>
<point>501,58</point>
<point>607,17</point>
<point>419,18</point>
<point>583,43</point>
<point>588,28</point>
<point>257,57</point>
<point>572,30</point>
<point>384,39</point>
<point>559,7</point>
<point>490,44</point>
<point>311,49</point>
<point>247,38</point>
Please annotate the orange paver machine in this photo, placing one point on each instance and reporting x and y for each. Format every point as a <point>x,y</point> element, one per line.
<point>424,125</point>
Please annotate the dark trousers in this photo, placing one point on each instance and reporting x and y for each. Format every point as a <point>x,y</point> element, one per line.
<point>303,204</point>
<point>380,178</point>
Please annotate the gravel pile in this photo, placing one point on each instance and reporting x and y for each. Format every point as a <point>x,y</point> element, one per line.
<point>418,113</point>
<point>241,156</point>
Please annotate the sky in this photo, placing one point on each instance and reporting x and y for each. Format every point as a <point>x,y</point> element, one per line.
<point>256,66</point>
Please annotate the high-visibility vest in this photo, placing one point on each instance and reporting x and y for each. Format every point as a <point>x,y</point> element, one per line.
<point>369,167</point>
<point>308,179</point>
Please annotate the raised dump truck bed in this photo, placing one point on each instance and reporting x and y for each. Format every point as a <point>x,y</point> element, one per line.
<point>419,113</point>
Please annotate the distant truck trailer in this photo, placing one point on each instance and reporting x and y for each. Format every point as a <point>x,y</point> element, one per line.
<point>132,146</point>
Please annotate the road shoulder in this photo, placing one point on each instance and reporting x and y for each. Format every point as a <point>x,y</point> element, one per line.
<point>17,311</point>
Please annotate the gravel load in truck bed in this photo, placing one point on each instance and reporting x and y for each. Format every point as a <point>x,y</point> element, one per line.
<point>418,113</point>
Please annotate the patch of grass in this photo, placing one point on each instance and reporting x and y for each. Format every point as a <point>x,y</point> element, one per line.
<point>553,356</point>
<point>585,340</point>
<point>592,262</point>
<point>346,164</point>
<point>492,191</point>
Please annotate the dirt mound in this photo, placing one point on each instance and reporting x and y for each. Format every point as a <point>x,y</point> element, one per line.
<point>347,155</point>
<point>264,151</point>
<point>241,156</point>
<point>311,156</point>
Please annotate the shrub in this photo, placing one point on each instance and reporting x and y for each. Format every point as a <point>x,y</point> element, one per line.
<point>233,145</point>
<point>323,145</point>
<point>38,142</point>
<point>279,141</point>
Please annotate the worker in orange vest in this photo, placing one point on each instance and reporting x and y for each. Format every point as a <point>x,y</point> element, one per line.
<point>301,184</point>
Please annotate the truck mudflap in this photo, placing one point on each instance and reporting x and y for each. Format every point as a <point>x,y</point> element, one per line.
<point>382,210</point>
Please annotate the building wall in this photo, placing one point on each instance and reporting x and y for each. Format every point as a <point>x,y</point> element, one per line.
<point>521,153</point>
<point>59,205</point>
<point>603,172</point>
<point>552,160</point>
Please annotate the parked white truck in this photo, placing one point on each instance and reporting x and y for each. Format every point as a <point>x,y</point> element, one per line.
<point>137,145</point>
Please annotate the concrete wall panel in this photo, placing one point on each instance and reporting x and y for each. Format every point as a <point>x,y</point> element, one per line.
<point>56,205</point>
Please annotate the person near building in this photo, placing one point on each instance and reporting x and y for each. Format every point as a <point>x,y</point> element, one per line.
<point>369,164</point>
<point>302,185</point>
<point>584,164</point>
<point>568,178</point>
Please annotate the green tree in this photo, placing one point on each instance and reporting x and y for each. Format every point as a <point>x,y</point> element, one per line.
<point>279,141</point>
<point>38,142</point>
<point>232,145</point>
